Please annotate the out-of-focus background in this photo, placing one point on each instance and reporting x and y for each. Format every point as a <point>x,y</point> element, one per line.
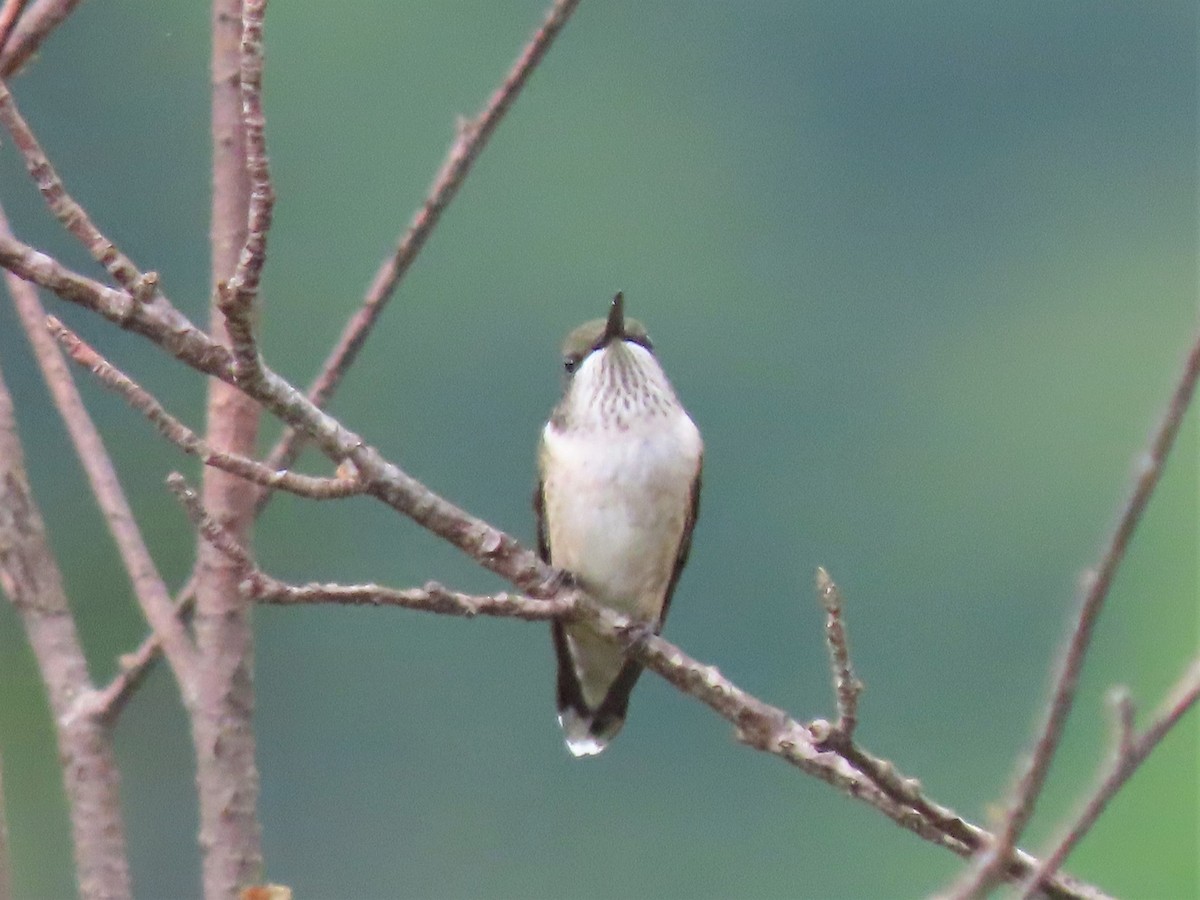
<point>923,273</point>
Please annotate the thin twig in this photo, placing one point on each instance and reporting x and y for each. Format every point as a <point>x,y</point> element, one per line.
<point>469,142</point>
<point>238,297</point>
<point>70,214</point>
<point>846,686</point>
<point>1129,752</point>
<point>1020,807</point>
<point>208,527</point>
<point>433,597</point>
<point>32,29</point>
<point>148,586</point>
<point>134,667</point>
<point>176,432</point>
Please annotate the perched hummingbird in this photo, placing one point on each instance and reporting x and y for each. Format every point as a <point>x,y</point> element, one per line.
<point>619,491</point>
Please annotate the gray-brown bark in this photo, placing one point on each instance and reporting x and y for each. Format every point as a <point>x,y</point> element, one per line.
<point>226,772</point>
<point>30,577</point>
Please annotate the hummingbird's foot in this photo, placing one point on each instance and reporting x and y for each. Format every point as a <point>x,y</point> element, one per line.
<point>638,632</point>
<point>560,583</point>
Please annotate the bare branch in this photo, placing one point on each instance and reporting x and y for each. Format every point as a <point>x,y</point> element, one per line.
<point>8,18</point>
<point>244,283</point>
<point>187,440</point>
<point>134,667</point>
<point>31,578</point>
<point>490,547</point>
<point>39,20</point>
<point>209,528</point>
<point>846,686</point>
<point>1129,753</point>
<point>237,299</point>
<point>170,329</point>
<point>472,137</point>
<point>433,597</point>
<point>148,586</point>
<point>72,216</point>
<point>1096,586</point>
<point>156,319</point>
<point>852,770</point>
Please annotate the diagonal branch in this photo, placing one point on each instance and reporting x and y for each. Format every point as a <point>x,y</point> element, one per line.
<point>1129,753</point>
<point>187,440</point>
<point>69,213</point>
<point>41,18</point>
<point>472,137</point>
<point>132,668</point>
<point>1033,773</point>
<point>8,19</point>
<point>148,586</point>
<point>759,725</point>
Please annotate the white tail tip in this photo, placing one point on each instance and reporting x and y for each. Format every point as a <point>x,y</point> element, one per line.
<point>577,733</point>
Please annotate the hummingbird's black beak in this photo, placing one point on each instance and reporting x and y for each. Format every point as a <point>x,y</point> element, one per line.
<point>614,328</point>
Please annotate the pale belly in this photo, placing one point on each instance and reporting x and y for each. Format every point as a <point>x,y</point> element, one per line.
<point>616,509</point>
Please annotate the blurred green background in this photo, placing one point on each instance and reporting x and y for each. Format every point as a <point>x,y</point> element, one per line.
<point>924,274</point>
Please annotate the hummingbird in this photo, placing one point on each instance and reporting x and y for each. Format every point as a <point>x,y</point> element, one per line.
<point>618,494</point>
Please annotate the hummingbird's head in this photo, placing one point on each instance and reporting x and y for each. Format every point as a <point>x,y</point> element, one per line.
<point>600,333</point>
<point>612,375</point>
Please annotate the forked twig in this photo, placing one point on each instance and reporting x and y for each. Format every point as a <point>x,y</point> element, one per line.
<point>32,581</point>
<point>983,872</point>
<point>1129,752</point>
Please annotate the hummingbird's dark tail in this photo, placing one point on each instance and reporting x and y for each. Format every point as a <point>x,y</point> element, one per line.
<point>586,730</point>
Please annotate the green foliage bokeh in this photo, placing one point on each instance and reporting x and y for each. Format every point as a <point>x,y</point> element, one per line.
<point>924,274</point>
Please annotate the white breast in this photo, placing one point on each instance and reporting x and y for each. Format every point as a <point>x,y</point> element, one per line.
<point>616,502</point>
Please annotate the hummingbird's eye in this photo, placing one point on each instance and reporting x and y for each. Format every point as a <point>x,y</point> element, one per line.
<point>570,362</point>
